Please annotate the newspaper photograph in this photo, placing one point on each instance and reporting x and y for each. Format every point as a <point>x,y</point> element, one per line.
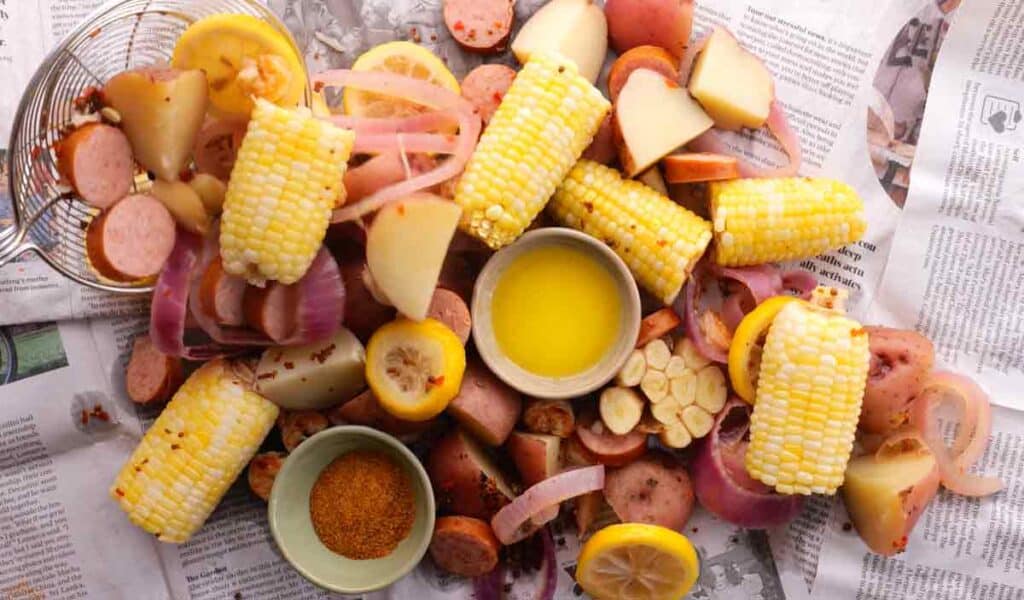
<point>917,105</point>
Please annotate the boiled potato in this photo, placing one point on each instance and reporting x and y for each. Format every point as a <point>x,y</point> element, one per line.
<point>211,191</point>
<point>662,23</point>
<point>314,376</point>
<point>161,112</point>
<point>900,362</point>
<point>184,204</point>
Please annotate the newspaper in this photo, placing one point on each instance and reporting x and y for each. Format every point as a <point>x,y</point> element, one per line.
<point>853,78</point>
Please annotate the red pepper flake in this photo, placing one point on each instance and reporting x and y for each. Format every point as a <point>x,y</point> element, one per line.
<point>662,243</point>
<point>435,381</point>
<point>459,26</point>
<point>318,86</point>
<point>289,365</point>
<point>270,375</point>
<point>181,434</point>
<point>589,206</point>
<point>472,34</point>
<point>858,332</point>
<point>401,210</point>
<point>670,84</point>
<point>119,492</point>
<point>322,356</point>
<point>175,446</point>
<point>498,25</point>
<point>37,151</point>
<point>85,417</point>
<point>497,96</point>
<point>98,413</point>
<point>167,431</point>
<point>95,32</point>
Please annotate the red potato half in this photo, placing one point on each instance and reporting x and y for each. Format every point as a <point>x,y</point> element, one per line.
<point>535,455</point>
<point>663,23</point>
<point>485,406</point>
<point>97,162</point>
<point>900,362</point>
<point>885,493</point>
<point>698,167</point>
<point>363,314</point>
<point>365,410</point>
<point>604,446</point>
<point>466,481</point>
<point>655,489</point>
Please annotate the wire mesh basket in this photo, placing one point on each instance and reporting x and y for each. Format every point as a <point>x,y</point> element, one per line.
<point>49,219</point>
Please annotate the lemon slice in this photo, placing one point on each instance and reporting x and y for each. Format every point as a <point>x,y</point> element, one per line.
<point>634,561</point>
<point>415,368</point>
<point>747,343</point>
<point>401,58</point>
<point>242,56</point>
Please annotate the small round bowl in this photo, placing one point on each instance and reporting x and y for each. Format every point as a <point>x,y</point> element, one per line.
<point>541,386</point>
<point>292,527</point>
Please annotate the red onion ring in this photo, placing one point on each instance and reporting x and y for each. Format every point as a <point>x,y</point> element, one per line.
<point>550,566</point>
<point>761,281</point>
<point>436,143</point>
<point>516,521</point>
<point>420,92</point>
<point>489,586</point>
<point>975,417</point>
<point>800,282</point>
<point>430,121</point>
<point>778,125</point>
<point>691,320</point>
<point>722,484</point>
<point>321,301</point>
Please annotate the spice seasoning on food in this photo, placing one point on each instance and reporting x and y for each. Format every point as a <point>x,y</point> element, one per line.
<point>362,505</point>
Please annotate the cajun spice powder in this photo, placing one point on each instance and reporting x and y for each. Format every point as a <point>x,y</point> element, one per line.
<point>362,505</point>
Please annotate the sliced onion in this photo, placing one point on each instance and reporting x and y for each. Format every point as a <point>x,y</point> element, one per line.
<point>379,172</point>
<point>519,519</point>
<point>489,586</point>
<point>169,312</point>
<point>691,320</point>
<point>974,414</point>
<point>762,281</point>
<point>800,282</point>
<point>321,301</point>
<point>438,143</point>
<point>420,92</point>
<point>778,126</point>
<point>722,484</point>
<point>549,567</point>
<point>430,121</point>
<point>734,308</point>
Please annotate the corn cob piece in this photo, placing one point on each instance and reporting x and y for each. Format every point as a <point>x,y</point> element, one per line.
<point>659,240</point>
<point>547,119</point>
<point>769,220</point>
<point>285,183</point>
<point>193,452</point>
<point>809,389</point>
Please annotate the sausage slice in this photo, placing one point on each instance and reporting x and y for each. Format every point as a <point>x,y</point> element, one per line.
<point>97,161</point>
<point>655,489</point>
<point>486,406</point>
<point>485,87</point>
<point>132,239</point>
<point>606,447</point>
<point>271,309</point>
<point>482,26</point>
<point>464,546</point>
<point>152,376</point>
<point>222,294</point>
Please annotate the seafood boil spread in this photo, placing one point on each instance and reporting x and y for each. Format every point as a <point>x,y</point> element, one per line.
<point>557,285</point>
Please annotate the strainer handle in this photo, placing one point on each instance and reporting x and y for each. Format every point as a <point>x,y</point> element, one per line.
<point>13,244</point>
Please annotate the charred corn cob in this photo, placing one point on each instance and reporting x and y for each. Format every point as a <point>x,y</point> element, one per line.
<point>768,220</point>
<point>279,200</point>
<point>809,389</point>
<point>545,122</point>
<point>659,240</point>
<point>193,452</point>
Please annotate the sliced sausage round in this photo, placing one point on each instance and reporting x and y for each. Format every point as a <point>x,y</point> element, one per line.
<point>271,309</point>
<point>132,239</point>
<point>606,447</point>
<point>655,489</point>
<point>363,314</point>
<point>152,376</point>
<point>97,161</point>
<point>464,546</point>
<point>485,87</point>
<point>450,309</point>
<point>482,26</point>
<point>222,294</point>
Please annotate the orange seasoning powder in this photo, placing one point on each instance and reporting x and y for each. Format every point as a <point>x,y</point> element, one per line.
<point>362,505</point>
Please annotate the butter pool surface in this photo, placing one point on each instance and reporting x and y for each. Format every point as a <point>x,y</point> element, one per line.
<point>556,311</point>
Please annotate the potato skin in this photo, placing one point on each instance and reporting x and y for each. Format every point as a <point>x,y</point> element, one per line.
<point>664,23</point>
<point>465,482</point>
<point>900,363</point>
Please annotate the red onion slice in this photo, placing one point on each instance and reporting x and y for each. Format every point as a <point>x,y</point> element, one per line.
<point>490,586</point>
<point>799,282</point>
<point>550,566</point>
<point>321,301</point>
<point>762,281</point>
<point>720,480</point>
<point>975,416</point>
<point>431,121</point>
<point>691,320</point>
<point>516,521</point>
<point>436,143</point>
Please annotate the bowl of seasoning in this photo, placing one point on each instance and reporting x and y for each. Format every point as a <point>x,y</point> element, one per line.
<point>556,314</point>
<point>352,509</point>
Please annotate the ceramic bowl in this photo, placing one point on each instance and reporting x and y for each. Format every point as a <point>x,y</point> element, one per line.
<point>292,527</point>
<point>540,386</point>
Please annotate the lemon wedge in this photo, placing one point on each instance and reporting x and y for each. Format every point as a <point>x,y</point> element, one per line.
<point>634,561</point>
<point>243,57</point>
<point>747,343</point>
<point>401,58</point>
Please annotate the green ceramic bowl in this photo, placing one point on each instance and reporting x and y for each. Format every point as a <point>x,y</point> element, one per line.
<point>292,527</point>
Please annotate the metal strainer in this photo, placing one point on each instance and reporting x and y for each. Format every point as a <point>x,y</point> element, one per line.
<point>48,219</point>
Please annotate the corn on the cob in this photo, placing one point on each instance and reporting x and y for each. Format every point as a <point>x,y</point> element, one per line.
<point>768,220</point>
<point>659,240</point>
<point>286,180</point>
<point>193,452</point>
<point>809,390</point>
<point>545,122</point>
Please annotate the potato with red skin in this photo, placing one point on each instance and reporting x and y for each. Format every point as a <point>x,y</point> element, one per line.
<point>605,447</point>
<point>485,405</point>
<point>363,314</point>
<point>663,23</point>
<point>603,149</point>
<point>900,363</point>
<point>535,455</point>
<point>466,481</point>
<point>886,492</point>
<point>655,489</point>
<point>365,410</point>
